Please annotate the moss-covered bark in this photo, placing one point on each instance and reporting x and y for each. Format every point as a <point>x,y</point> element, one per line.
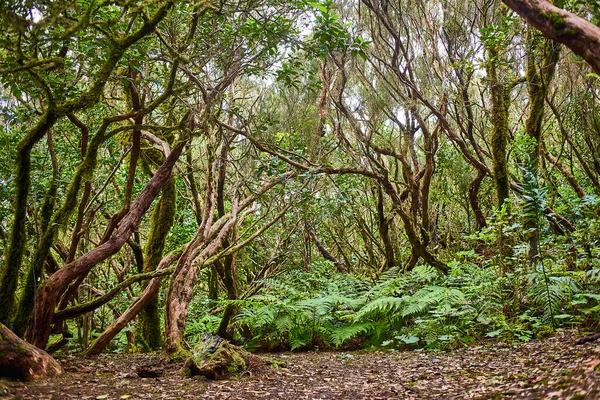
<point>59,219</point>
<point>18,236</point>
<point>34,273</point>
<point>162,221</point>
<point>500,131</point>
<point>215,358</point>
<point>54,111</point>
<point>22,361</point>
<point>541,66</point>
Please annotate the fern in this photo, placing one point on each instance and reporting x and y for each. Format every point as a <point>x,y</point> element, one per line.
<point>550,292</point>
<point>429,296</point>
<point>383,306</point>
<point>342,334</point>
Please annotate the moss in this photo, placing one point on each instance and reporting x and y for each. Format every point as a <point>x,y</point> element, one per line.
<point>500,131</point>
<point>559,24</point>
<point>225,361</point>
<point>178,355</point>
<point>163,218</point>
<point>544,332</point>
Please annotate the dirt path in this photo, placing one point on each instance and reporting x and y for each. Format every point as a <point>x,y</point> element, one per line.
<point>553,368</point>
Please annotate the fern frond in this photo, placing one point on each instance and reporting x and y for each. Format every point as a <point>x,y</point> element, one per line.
<point>380,307</point>
<point>340,335</point>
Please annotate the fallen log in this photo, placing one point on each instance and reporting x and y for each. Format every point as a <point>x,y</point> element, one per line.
<point>21,361</point>
<point>587,339</point>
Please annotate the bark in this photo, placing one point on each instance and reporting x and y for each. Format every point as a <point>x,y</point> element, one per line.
<point>18,233</point>
<point>583,160</point>
<point>565,172</point>
<point>228,269</point>
<point>14,255</point>
<point>339,266</point>
<point>474,187</point>
<point>34,273</point>
<point>581,36</point>
<point>134,309</point>
<point>162,221</point>
<point>384,231</point>
<point>180,291</point>
<point>539,75</point>
<point>500,131</point>
<point>50,293</point>
<point>102,299</point>
<point>22,361</point>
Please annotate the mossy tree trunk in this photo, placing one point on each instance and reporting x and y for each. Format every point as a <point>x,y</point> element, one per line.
<point>542,57</point>
<point>18,235</point>
<point>562,26</point>
<point>34,273</point>
<point>53,112</point>
<point>163,217</point>
<point>49,294</point>
<point>500,130</point>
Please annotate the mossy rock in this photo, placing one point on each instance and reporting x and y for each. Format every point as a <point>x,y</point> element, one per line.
<point>216,358</point>
<point>544,332</point>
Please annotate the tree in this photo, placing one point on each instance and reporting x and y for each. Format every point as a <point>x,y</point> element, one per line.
<point>561,26</point>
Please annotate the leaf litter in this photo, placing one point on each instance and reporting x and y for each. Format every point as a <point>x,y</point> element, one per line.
<point>553,368</point>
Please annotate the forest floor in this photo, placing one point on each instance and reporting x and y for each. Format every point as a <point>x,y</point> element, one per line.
<point>540,369</point>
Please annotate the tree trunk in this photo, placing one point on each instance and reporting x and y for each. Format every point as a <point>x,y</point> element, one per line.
<point>538,82</point>
<point>480,222</point>
<point>339,266</point>
<point>18,233</point>
<point>180,292</point>
<point>384,231</point>
<point>50,293</point>
<point>22,361</point>
<point>581,36</point>
<point>162,221</point>
<point>133,310</point>
<point>500,130</point>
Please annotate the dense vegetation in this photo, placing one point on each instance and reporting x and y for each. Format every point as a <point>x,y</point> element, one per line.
<point>297,174</point>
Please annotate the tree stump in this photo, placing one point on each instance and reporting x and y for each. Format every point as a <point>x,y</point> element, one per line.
<point>22,361</point>
<point>216,358</point>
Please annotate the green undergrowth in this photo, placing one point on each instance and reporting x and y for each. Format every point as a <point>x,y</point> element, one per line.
<point>483,297</point>
<point>419,309</point>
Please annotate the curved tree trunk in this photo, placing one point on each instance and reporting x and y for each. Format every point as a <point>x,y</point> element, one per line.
<point>339,266</point>
<point>145,298</point>
<point>50,293</point>
<point>581,36</point>
<point>474,187</point>
<point>180,291</point>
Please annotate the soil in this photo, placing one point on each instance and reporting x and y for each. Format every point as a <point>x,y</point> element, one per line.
<point>552,368</point>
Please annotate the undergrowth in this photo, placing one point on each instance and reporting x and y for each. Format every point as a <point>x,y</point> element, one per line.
<point>483,296</point>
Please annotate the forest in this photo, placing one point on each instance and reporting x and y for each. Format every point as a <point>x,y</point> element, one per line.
<point>300,199</point>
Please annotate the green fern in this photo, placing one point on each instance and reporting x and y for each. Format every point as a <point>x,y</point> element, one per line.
<point>430,296</point>
<point>342,334</point>
<point>381,307</point>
